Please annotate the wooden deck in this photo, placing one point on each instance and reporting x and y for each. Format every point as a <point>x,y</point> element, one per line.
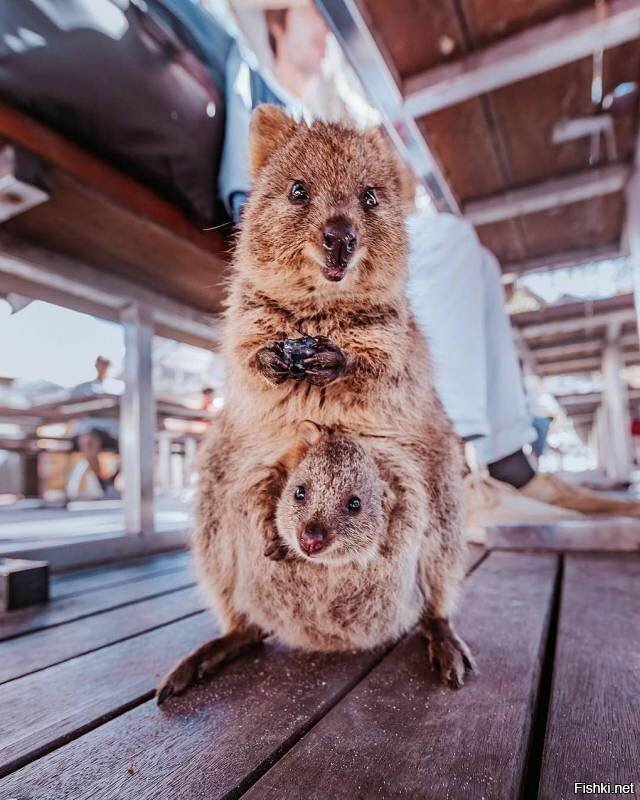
<point>556,635</point>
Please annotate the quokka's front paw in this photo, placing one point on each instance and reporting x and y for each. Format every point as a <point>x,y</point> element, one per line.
<point>272,363</point>
<point>448,655</point>
<point>277,550</point>
<point>327,364</point>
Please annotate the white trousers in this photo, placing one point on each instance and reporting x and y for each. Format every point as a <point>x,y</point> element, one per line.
<point>457,296</point>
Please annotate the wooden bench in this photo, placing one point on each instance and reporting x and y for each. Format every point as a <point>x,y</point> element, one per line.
<point>556,634</point>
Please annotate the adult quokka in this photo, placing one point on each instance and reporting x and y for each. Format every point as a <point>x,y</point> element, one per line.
<point>318,327</point>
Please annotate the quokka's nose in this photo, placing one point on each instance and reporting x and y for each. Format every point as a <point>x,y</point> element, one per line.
<point>313,538</point>
<point>339,241</point>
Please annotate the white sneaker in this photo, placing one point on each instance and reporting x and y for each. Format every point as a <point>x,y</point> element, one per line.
<point>491,502</point>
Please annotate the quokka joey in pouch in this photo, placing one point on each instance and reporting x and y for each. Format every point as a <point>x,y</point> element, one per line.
<point>318,327</point>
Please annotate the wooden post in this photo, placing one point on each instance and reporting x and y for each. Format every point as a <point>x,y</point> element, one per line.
<point>633,229</point>
<point>138,421</point>
<point>616,407</point>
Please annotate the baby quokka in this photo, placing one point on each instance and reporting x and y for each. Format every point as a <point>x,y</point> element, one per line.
<point>318,328</point>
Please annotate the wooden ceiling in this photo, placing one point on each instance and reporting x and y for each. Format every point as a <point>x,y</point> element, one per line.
<point>501,140</point>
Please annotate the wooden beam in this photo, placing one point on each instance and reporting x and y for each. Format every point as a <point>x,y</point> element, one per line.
<point>602,307</point>
<point>572,367</point>
<point>592,346</point>
<point>534,51</point>
<point>615,399</point>
<point>565,260</point>
<point>579,365</point>
<point>632,227</point>
<point>578,324</point>
<point>547,194</point>
<point>589,398</point>
<point>40,274</point>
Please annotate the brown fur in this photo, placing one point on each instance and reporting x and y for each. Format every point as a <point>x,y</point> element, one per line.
<point>380,389</point>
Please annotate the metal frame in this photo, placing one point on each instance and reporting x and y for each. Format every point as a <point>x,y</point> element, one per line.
<point>350,28</point>
<point>41,274</point>
<point>138,421</point>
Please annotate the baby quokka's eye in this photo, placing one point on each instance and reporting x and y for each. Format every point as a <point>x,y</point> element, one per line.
<point>368,197</point>
<point>298,193</point>
<point>353,505</point>
<point>299,493</point>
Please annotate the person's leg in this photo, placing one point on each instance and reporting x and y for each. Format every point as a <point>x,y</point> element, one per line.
<point>510,421</point>
<point>510,425</point>
<point>447,296</point>
<point>89,445</point>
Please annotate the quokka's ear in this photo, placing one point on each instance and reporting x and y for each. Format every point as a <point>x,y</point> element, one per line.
<point>408,186</point>
<point>407,181</point>
<point>309,433</point>
<point>270,128</point>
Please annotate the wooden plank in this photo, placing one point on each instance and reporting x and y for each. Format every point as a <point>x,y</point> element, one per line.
<point>42,710</point>
<point>69,608</point>
<point>36,271</point>
<point>400,734</point>
<point>593,732</point>
<point>548,194</point>
<point>562,260</point>
<point>26,654</point>
<point>531,52</point>
<point>209,744</point>
<point>90,580</point>
<point>622,535</point>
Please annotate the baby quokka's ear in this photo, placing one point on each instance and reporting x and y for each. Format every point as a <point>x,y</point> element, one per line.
<point>270,129</point>
<point>308,434</point>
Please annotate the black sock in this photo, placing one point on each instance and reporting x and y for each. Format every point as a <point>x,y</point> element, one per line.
<point>514,469</point>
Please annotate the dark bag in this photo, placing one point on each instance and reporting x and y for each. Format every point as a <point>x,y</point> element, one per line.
<point>140,84</point>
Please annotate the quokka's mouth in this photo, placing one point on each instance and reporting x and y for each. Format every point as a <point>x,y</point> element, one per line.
<point>334,272</point>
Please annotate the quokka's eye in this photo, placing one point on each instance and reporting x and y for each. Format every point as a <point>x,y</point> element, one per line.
<point>298,193</point>
<point>299,493</point>
<point>354,505</point>
<point>369,198</point>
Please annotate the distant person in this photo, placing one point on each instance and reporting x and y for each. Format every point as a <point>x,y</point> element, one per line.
<point>94,435</point>
<point>207,400</point>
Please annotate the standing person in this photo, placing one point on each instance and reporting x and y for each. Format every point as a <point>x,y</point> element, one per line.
<point>94,435</point>
<point>456,293</point>
<point>291,44</point>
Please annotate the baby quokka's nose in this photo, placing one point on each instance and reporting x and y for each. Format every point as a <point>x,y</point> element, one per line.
<point>339,241</point>
<point>314,538</point>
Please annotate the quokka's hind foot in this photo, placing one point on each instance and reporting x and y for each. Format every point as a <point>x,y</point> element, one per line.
<point>448,655</point>
<point>206,659</point>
